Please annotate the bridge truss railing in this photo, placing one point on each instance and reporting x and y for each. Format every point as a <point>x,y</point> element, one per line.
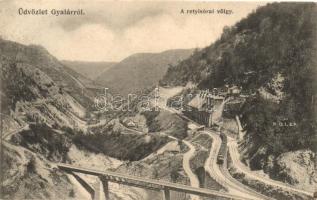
<point>141,182</point>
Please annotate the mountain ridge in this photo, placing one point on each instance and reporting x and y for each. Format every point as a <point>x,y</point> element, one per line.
<point>89,69</point>
<point>41,59</point>
<point>271,55</point>
<point>36,87</point>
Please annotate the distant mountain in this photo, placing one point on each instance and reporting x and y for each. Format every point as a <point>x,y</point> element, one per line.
<point>90,70</point>
<point>271,54</point>
<point>86,82</point>
<point>140,71</point>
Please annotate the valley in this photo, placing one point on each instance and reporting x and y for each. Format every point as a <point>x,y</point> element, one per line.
<point>233,120</point>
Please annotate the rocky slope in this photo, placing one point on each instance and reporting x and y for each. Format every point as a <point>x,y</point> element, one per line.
<point>28,176</point>
<point>37,89</point>
<point>36,62</point>
<point>296,168</point>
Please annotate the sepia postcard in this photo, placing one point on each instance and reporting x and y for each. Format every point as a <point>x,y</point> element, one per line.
<point>158,100</point>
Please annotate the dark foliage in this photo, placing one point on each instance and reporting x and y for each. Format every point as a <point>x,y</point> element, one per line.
<point>169,123</point>
<point>279,38</point>
<point>122,146</point>
<point>30,167</point>
<point>42,139</point>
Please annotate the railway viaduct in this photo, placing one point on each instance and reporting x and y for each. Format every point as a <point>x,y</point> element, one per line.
<point>165,187</point>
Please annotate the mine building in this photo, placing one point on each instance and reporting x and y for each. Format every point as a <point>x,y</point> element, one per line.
<point>201,107</point>
<point>234,90</point>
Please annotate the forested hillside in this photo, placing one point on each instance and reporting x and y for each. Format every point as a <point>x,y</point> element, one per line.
<point>272,55</point>
<point>89,69</point>
<point>140,71</point>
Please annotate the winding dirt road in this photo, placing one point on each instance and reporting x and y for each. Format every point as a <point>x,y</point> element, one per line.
<point>235,155</point>
<point>164,95</point>
<point>222,176</point>
<point>194,182</point>
<point>7,136</point>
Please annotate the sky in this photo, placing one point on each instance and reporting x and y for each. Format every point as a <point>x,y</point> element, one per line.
<point>112,31</point>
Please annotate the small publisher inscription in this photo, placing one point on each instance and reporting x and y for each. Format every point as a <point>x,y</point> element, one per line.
<point>285,124</point>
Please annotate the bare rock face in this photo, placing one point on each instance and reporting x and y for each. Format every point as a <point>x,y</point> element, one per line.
<point>29,176</point>
<point>297,168</point>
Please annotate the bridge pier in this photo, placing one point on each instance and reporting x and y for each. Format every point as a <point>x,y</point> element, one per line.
<point>97,190</point>
<point>134,181</point>
<point>105,186</point>
<point>166,194</point>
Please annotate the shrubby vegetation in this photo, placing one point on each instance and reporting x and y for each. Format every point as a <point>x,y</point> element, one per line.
<point>275,38</point>
<point>122,146</point>
<point>15,86</point>
<point>272,126</point>
<point>31,166</point>
<point>42,139</point>
<point>115,143</point>
<point>164,121</point>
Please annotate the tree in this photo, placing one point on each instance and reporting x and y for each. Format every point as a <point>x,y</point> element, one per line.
<point>30,167</point>
<point>71,193</point>
<point>174,175</point>
<point>155,173</point>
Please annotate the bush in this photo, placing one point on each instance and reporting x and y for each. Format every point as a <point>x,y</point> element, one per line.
<point>71,193</point>
<point>31,166</point>
<point>41,138</point>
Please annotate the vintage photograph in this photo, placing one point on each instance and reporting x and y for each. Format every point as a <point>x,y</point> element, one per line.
<point>158,100</point>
